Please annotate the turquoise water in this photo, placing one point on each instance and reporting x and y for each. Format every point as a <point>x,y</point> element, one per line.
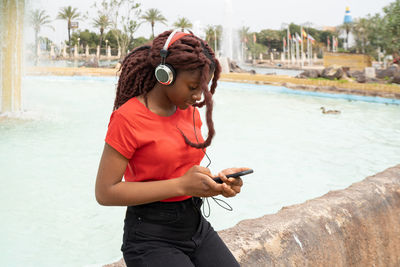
<point>50,153</point>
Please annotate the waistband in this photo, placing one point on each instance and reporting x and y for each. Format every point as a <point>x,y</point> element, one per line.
<point>193,201</point>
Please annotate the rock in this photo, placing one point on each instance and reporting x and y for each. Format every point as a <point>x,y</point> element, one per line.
<point>332,73</point>
<point>309,74</point>
<point>389,72</point>
<point>361,78</point>
<point>92,62</point>
<point>357,226</point>
<point>355,73</point>
<point>233,67</point>
<point>396,78</point>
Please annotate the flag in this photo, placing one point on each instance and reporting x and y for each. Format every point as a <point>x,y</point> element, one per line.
<point>303,32</point>
<point>328,41</point>
<point>311,38</point>
<point>290,36</point>
<point>298,38</point>
<point>284,42</point>
<point>254,38</point>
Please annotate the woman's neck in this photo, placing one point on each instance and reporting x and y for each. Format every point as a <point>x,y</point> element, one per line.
<point>158,102</point>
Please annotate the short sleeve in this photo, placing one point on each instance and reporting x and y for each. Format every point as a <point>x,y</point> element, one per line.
<point>121,135</point>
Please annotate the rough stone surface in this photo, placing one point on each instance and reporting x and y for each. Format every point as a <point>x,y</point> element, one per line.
<point>233,67</point>
<point>396,78</point>
<point>309,74</point>
<point>388,73</point>
<point>361,78</point>
<point>332,73</point>
<point>357,226</point>
<point>92,62</point>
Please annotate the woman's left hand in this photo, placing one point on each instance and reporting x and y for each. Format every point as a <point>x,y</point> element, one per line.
<point>231,186</point>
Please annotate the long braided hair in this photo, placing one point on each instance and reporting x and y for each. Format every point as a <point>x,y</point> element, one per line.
<point>188,53</point>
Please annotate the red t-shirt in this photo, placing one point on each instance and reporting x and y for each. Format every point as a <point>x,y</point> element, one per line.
<point>153,144</point>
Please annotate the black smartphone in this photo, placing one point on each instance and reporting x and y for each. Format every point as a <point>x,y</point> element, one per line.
<point>233,175</point>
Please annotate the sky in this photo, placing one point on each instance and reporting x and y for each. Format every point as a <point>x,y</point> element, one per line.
<point>255,14</point>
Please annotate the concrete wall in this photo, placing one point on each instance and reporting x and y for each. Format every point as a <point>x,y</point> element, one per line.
<point>353,61</point>
<point>357,226</point>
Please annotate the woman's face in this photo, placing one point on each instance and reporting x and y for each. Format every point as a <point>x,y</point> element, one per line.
<point>186,90</point>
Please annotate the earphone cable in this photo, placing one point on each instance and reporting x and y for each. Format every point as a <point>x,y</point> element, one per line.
<point>205,199</point>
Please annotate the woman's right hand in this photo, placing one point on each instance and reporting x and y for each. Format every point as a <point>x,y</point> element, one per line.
<point>198,182</point>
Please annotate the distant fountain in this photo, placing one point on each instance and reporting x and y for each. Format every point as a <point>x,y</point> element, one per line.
<point>11,32</point>
<point>230,43</point>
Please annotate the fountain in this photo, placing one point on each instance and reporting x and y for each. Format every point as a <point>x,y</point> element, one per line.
<point>230,43</point>
<point>11,31</point>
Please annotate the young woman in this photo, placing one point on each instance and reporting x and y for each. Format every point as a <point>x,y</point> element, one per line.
<point>154,141</point>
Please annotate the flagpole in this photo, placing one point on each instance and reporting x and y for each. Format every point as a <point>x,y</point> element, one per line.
<point>308,50</point>
<point>297,52</point>
<point>288,44</point>
<point>284,50</point>
<point>301,34</point>
<point>293,54</point>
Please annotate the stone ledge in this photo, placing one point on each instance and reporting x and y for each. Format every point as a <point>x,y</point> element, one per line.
<point>357,226</point>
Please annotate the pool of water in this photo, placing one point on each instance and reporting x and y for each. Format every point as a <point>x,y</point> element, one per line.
<point>70,63</point>
<point>50,153</point>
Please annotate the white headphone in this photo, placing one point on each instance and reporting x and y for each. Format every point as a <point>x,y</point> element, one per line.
<point>165,73</point>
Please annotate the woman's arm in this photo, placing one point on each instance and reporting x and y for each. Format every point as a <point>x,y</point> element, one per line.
<point>112,191</point>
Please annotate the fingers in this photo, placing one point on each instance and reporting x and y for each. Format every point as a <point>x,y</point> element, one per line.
<point>234,170</point>
<point>231,186</point>
<point>228,191</point>
<point>204,170</point>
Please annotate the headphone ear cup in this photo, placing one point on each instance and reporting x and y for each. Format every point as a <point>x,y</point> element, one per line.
<point>165,74</point>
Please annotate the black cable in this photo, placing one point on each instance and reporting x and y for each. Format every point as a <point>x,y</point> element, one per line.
<point>205,199</point>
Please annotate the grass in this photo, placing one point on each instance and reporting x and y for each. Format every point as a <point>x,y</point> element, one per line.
<point>326,79</point>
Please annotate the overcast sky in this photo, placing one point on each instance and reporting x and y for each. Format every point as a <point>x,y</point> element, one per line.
<point>256,14</point>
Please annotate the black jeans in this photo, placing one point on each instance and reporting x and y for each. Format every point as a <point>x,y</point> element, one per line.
<point>172,234</point>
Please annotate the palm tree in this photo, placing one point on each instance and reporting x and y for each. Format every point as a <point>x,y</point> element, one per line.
<point>103,23</point>
<point>68,13</point>
<point>213,34</point>
<point>244,34</point>
<point>183,23</point>
<point>39,18</point>
<point>152,16</point>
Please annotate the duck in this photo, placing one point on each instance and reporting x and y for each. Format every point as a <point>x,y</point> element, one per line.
<point>333,111</point>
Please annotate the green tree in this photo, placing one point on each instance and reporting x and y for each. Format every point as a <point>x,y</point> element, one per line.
<point>272,39</point>
<point>183,23</point>
<point>138,42</point>
<point>86,38</point>
<point>102,22</point>
<point>152,16</point>
<point>392,26</point>
<point>68,13</point>
<point>122,14</point>
<point>361,31</point>
<point>213,36</point>
<point>255,49</point>
<point>38,19</point>
<point>244,34</point>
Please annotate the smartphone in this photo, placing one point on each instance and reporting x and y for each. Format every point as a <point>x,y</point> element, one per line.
<point>233,175</point>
